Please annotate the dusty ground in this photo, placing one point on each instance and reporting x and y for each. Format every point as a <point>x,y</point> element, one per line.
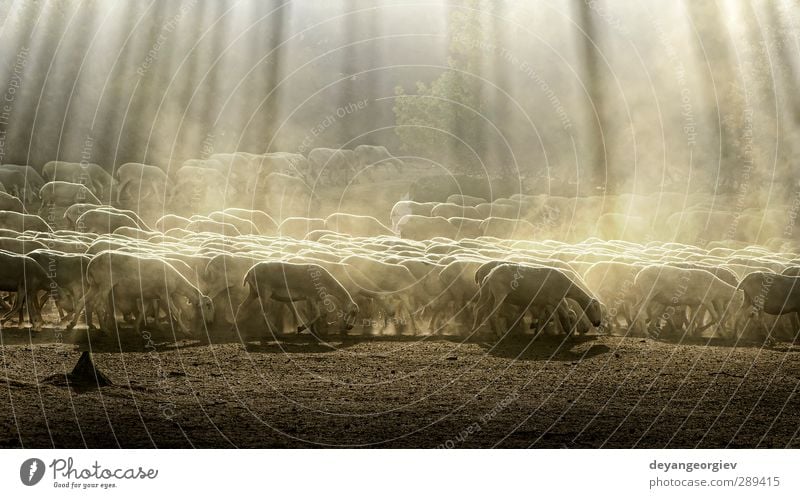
<point>401,392</point>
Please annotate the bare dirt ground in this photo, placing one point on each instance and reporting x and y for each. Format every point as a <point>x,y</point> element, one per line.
<point>400,392</point>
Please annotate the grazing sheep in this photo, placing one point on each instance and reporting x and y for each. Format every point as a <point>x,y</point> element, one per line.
<point>284,196</point>
<point>770,293</point>
<point>200,188</point>
<point>369,155</point>
<point>612,283</point>
<point>139,279</point>
<point>19,245</point>
<point>403,208</point>
<point>244,226</point>
<point>356,225</point>
<point>143,179</point>
<point>497,210</point>
<point>19,222</point>
<point>134,233</point>
<point>25,277</point>
<point>170,221</point>
<point>65,194</point>
<point>391,285</point>
<point>73,212</point>
<point>299,228</point>
<point>211,226</point>
<point>9,202</point>
<point>416,227</point>
<point>505,228</point>
<point>221,280</point>
<point>264,222</point>
<point>17,184</point>
<point>465,200</point>
<point>293,282</point>
<point>580,321</point>
<point>288,163</point>
<point>337,164</point>
<point>90,175</point>
<point>455,210</point>
<point>31,176</point>
<point>669,287</point>
<point>68,271</point>
<point>528,286</point>
<point>466,228</point>
<point>101,221</point>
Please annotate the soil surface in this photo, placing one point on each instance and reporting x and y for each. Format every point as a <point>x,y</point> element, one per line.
<point>421,392</point>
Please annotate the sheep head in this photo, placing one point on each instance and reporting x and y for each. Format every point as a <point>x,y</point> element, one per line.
<point>594,312</point>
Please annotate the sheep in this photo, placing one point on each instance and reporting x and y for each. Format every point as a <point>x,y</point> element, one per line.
<point>505,228</point>
<point>211,226</point>
<point>9,202</point>
<point>244,226</point>
<point>101,221</point>
<point>170,221</point>
<point>265,223</point>
<point>24,276</point>
<point>68,271</point>
<point>140,223</point>
<point>669,287</point>
<point>200,187</point>
<point>403,208</point>
<point>17,184</point>
<point>455,210</point>
<point>134,233</point>
<point>495,210</point>
<point>425,228</point>
<point>288,163</point>
<point>91,175</point>
<point>465,200</point>
<point>582,322</point>
<point>65,194</point>
<point>73,212</point>
<point>131,278</point>
<point>31,176</point>
<point>384,282</point>
<point>12,220</point>
<point>527,286</point>
<point>612,283</point>
<point>369,155</point>
<point>237,168</point>
<point>221,280</point>
<point>356,225</point>
<point>466,228</point>
<point>145,179</point>
<point>458,290</point>
<point>19,245</point>
<point>292,282</point>
<point>770,293</point>
<point>339,161</point>
<point>298,227</point>
<point>284,196</point>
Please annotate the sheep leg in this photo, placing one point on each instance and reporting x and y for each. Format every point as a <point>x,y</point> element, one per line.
<point>566,318</point>
<point>639,316</point>
<point>251,298</point>
<point>120,189</point>
<point>34,310</point>
<point>141,316</point>
<point>484,306</point>
<point>16,308</point>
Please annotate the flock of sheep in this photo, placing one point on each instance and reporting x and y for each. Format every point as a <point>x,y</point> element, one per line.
<point>237,242</point>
